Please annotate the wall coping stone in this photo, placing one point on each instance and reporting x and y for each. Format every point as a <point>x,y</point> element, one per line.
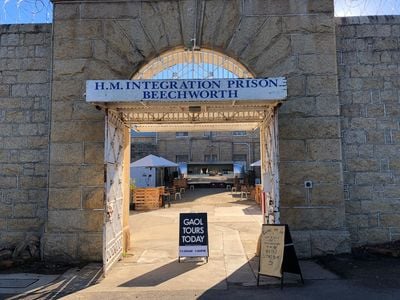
<point>378,20</point>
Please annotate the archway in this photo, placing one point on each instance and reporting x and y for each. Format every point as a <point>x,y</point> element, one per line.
<point>218,94</point>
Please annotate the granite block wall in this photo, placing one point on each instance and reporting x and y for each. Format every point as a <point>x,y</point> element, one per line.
<point>111,40</point>
<point>368,55</point>
<point>24,131</point>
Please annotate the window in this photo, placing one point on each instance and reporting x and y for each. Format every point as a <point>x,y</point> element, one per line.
<point>181,134</point>
<point>239,157</point>
<point>239,133</point>
<point>210,157</point>
<point>181,158</point>
<point>136,134</point>
<point>210,134</point>
<point>199,64</point>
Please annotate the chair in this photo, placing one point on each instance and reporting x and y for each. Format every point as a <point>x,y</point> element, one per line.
<point>244,192</point>
<point>174,192</point>
<point>177,194</point>
<point>166,196</point>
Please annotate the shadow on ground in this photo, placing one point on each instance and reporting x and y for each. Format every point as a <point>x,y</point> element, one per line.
<point>161,274</point>
<point>365,269</point>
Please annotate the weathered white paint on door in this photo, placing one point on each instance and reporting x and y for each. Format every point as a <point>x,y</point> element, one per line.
<point>112,232</point>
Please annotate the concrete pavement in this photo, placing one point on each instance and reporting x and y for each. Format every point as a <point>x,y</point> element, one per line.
<point>151,266</point>
<point>151,271</point>
<point>233,225</point>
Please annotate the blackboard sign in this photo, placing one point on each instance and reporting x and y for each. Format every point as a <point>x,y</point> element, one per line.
<point>277,254</point>
<point>193,235</point>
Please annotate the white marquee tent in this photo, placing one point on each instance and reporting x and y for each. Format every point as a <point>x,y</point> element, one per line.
<point>153,161</point>
<point>144,173</point>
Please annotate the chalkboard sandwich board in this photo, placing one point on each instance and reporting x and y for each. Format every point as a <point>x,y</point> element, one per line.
<point>193,235</point>
<point>277,254</point>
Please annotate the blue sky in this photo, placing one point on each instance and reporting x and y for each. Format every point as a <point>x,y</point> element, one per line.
<point>25,11</point>
<point>366,7</point>
<point>40,11</point>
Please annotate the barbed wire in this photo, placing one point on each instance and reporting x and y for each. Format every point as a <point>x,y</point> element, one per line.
<point>26,11</point>
<point>38,11</point>
<point>344,8</point>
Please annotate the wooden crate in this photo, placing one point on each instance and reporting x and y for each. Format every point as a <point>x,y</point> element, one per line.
<point>180,183</point>
<point>258,193</point>
<point>252,195</point>
<point>148,198</point>
<point>161,190</point>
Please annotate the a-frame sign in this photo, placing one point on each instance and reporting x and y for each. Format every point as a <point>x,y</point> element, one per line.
<point>277,254</point>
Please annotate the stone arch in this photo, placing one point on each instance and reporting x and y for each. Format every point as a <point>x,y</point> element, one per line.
<point>130,34</point>
<point>205,60</point>
<point>110,39</point>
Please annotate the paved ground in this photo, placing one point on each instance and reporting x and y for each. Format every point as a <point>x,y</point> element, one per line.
<point>151,269</point>
<point>233,225</point>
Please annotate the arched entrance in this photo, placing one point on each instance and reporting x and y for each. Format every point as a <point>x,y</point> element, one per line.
<point>218,94</point>
<point>192,64</point>
<point>112,39</point>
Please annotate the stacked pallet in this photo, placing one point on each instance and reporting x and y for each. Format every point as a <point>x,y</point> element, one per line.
<point>258,193</point>
<point>161,190</point>
<point>148,198</point>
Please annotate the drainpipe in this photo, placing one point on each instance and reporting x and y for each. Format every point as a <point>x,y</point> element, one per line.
<point>190,148</point>
<point>44,228</point>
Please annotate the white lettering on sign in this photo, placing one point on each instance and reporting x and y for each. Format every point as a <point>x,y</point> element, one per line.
<point>193,230</point>
<point>192,239</point>
<point>178,90</point>
<point>193,251</point>
<point>196,222</point>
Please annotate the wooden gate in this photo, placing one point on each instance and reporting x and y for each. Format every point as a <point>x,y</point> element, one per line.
<point>113,168</point>
<point>269,146</point>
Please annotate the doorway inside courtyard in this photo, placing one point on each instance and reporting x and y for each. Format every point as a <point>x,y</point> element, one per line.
<point>224,190</point>
<point>232,202</point>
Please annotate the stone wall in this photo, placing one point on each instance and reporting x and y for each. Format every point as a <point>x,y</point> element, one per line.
<point>76,179</point>
<point>197,144</point>
<point>351,140</point>
<point>369,81</point>
<point>111,40</point>
<point>303,49</point>
<point>24,129</point>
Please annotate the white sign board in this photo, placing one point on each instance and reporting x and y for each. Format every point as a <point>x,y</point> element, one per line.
<point>272,250</point>
<point>186,90</point>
